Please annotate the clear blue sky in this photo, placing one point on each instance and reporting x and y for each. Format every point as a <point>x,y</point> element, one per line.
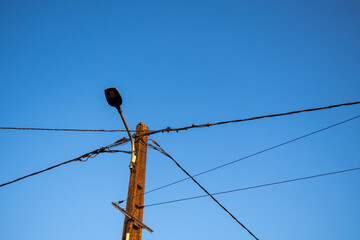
<point>177,63</point>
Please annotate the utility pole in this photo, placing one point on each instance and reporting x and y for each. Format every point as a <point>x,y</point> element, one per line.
<point>135,198</point>
<point>135,201</point>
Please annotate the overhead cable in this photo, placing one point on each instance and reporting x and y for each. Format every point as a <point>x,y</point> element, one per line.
<point>251,155</point>
<point>158,148</point>
<point>82,158</point>
<point>63,129</point>
<point>169,129</point>
<point>256,186</point>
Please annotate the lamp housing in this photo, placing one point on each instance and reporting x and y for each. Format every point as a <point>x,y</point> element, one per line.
<point>113,97</point>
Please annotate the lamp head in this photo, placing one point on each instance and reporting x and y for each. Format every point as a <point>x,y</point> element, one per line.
<point>113,97</point>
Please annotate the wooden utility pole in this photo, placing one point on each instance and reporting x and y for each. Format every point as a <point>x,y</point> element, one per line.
<point>135,198</point>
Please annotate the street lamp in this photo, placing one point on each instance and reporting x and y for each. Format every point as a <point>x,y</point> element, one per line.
<point>114,99</point>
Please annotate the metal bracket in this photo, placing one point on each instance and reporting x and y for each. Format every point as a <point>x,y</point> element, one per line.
<point>129,220</point>
<point>132,218</point>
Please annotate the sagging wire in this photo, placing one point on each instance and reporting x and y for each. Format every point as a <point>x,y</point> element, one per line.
<point>161,150</point>
<point>82,158</point>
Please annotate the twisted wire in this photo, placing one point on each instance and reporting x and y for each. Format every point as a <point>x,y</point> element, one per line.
<point>169,129</point>
<point>82,158</point>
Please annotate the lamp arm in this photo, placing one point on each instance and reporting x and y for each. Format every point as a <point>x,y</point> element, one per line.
<point>133,156</point>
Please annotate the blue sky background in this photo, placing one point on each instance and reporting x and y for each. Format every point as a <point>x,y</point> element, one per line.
<point>177,63</point>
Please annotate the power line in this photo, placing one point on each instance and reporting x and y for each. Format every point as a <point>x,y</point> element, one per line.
<point>82,158</point>
<point>256,186</point>
<point>251,155</point>
<point>63,129</point>
<point>158,148</point>
<point>169,129</point>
